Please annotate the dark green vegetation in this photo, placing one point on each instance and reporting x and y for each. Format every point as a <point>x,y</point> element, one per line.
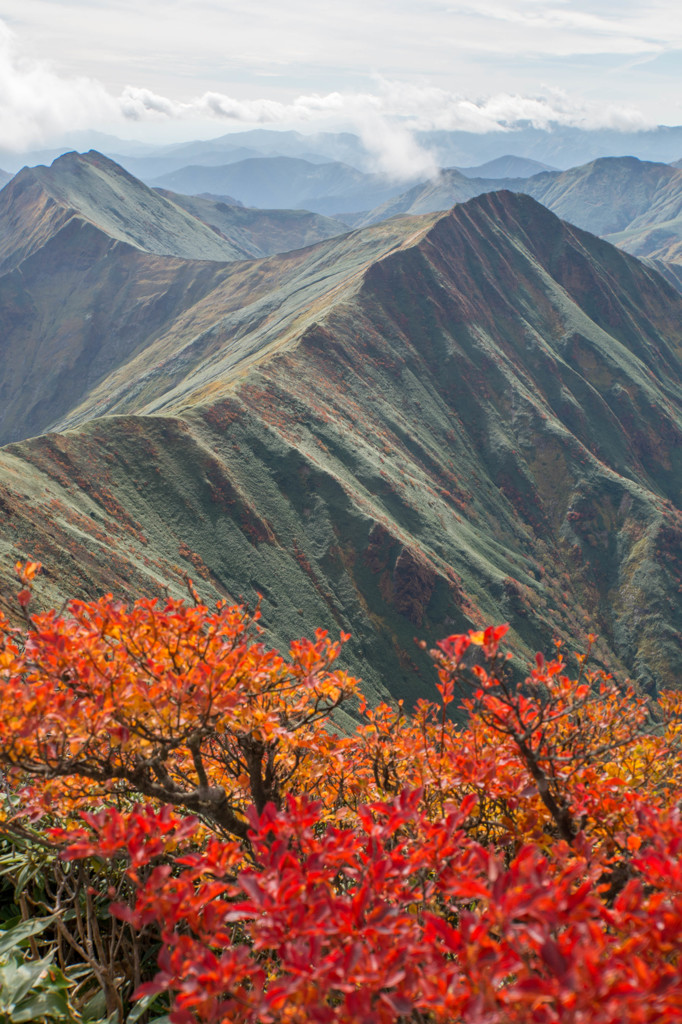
<point>454,419</point>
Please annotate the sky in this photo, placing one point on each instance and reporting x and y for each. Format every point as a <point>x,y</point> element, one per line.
<point>166,70</point>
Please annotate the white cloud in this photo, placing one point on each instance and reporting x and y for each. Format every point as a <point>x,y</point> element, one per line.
<point>40,103</point>
<point>36,102</point>
<point>386,117</point>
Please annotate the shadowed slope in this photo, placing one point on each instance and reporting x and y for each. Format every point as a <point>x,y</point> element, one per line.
<point>91,325</point>
<point>252,311</point>
<point>479,421</point>
<point>260,232</point>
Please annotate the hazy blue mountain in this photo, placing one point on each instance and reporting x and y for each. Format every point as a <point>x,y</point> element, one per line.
<point>506,167</point>
<point>341,147</point>
<point>80,141</point>
<point>560,147</point>
<point>149,168</point>
<point>286,182</point>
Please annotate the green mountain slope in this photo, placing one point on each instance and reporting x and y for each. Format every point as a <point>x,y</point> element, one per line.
<point>91,325</point>
<point>91,191</point>
<point>418,427</point>
<point>611,194</point>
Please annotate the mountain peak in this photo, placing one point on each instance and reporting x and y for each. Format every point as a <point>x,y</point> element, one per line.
<point>95,190</point>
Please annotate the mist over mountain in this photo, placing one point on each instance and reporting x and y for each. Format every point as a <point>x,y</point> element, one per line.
<point>449,187</point>
<point>402,431</point>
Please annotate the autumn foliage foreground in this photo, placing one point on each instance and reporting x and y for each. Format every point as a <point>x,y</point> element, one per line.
<point>207,845</point>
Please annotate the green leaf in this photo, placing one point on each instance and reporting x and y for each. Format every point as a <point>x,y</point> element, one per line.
<point>18,978</point>
<point>11,938</point>
<point>95,1008</point>
<point>43,1004</point>
<point>141,1006</point>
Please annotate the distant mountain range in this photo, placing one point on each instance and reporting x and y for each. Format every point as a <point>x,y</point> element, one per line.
<point>286,182</point>
<point>557,146</point>
<point>428,423</point>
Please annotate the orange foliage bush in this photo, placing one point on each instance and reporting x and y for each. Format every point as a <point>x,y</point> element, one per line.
<point>525,868</point>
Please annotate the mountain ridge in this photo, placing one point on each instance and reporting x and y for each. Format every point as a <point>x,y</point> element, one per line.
<point>633,203</point>
<point>40,201</point>
<point>476,417</point>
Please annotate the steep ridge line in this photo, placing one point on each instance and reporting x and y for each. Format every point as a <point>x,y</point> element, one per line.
<point>635,204</point>
<point>477,419</point>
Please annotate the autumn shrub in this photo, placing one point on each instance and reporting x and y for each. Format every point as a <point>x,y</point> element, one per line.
<point>220,849</point>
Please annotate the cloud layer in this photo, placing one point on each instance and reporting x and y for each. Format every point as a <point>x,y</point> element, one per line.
<point>40,104</point>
